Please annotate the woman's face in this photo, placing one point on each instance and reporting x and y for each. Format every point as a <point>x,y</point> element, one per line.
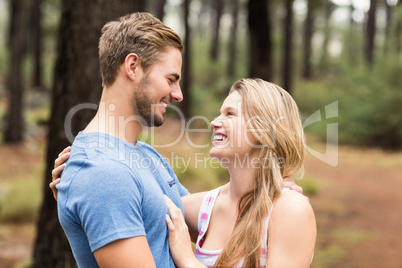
<point>233,142</point>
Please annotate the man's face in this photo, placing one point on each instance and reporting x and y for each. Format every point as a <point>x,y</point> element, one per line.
<point>159,87</point>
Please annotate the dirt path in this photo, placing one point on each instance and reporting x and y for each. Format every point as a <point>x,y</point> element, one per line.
<point>15,244</point>
<point>359,209</point>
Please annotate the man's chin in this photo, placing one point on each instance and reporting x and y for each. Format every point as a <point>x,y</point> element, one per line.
<point>158,121</point>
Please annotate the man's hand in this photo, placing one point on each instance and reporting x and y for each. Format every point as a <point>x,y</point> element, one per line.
<point>288,182</point>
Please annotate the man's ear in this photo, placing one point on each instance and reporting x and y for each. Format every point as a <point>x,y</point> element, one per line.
<point>132,65</point>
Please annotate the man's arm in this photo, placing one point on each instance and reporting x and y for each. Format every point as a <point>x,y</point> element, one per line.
<point>130,252</point>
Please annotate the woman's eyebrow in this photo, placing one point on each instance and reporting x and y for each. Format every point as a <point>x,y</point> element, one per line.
<point>176,76</point>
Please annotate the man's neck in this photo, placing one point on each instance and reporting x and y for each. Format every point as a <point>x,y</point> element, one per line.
<point>115,117</point>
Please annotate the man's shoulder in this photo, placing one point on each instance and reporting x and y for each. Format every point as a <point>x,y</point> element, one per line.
<point>97,163</point>
<point>83,172</point>
<point>147,148</point>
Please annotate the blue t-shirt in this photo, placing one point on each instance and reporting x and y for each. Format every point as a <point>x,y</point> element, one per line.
<point>110,190</point>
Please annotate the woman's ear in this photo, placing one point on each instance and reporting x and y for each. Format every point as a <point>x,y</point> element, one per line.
<point>132,65</point>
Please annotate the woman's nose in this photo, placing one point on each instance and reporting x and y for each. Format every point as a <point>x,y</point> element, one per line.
<point>217,122</point>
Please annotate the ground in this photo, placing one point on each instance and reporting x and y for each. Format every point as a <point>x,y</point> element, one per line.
<point>358,209</point>
<point>357,206</point>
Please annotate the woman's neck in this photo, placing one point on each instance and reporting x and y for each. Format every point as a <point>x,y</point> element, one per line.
<point>241,179</point>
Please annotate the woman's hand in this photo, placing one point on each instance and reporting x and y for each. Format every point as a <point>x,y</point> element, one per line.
<point>179,238</point>
<point>59,166</point>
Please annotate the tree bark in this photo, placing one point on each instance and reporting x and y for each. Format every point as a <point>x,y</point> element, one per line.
<point>217,8</point>
<point>307,39</point>
<point>77,80</point>
<point>259,24</point>
<point>232,44</point>
<point>160,9</point>
<point>327,35</point>
<point>36,17</point>
<point>186,81</point>
<point>287,52</point>
<point>17,46</point>
<point>370,33</point>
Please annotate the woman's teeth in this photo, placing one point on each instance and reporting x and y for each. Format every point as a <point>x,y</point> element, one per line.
<point>219,137</point>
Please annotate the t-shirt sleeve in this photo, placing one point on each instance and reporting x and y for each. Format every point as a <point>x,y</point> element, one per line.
<point>106,199</point>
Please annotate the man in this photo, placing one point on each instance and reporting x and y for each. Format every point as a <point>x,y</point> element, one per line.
<point>110,205</point>
<point>111,201</point>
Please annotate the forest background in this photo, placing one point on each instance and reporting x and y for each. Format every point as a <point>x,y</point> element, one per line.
<point>340,59</point>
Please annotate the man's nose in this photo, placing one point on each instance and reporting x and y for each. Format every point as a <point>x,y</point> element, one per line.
<point>176,94</point>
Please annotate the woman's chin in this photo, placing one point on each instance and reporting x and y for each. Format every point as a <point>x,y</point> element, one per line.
<point>219,155</point>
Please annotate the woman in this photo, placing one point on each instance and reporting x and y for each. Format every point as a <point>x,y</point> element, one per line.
<point>250,221</point>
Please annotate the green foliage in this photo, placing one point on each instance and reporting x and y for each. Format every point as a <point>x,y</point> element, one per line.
<point>211,83</point>
<point>369,103</point>
<point>4,62</point>
<point>310,187</point>
<point>328,256</point>
<point>19,201</point>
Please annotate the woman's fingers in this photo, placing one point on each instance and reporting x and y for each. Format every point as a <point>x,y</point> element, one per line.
<point>56,172</point>
<point>175,220</point>
<point>67,149</point>
<point>169,223</point>
<point>61,159</point>
<point>52,186</point>
<point>179,237</point>
<point>175,212</point>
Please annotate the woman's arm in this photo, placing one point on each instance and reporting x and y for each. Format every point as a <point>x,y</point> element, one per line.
<point>292,232</point>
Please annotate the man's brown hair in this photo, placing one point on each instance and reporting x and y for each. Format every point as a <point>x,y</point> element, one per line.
<point>139,33</point>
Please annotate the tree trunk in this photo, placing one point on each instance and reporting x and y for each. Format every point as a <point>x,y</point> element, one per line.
<point>36,36</point>
<point>398,38</point>
<point>186,81</point>
<point>370,33</point>
<point>17,41</point>
<point>287,52</point>
<point>327,35</point>
<point>160,9</point>
<point>232,54</point>
<point>307,39</point>
<point>351,48</point>
<point>77,80</point>
<point>217,8</point>
<point>259,24</point>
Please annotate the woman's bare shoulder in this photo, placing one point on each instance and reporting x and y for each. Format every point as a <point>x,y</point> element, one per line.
<point>293,211</point>
<point>292,231</point>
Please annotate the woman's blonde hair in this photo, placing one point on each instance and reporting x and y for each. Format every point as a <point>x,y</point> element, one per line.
<point>274,118</point>
<point>139,33</point>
